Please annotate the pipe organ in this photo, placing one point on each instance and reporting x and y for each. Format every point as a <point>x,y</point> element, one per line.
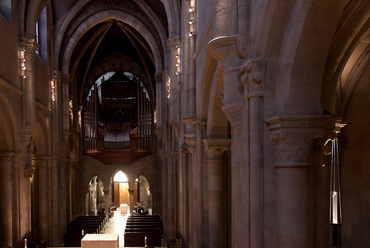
<point>118,114</point>
<point>91,120</point>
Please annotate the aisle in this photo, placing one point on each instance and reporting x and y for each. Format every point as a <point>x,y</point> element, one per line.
<point>117,224</point>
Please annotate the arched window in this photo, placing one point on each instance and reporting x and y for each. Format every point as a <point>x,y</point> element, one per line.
<point>6,10</point>
<point>41,36</point>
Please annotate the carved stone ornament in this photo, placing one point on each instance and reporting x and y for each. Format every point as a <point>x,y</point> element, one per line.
<point>234,113</point>
<point>293,147</point>
<point>254,73</point>
<point>215,148</point>
<point>190,141</point>
<point>199,126</point>
<point>292,136</point>
<point>27,135</point>
<point>131,191</point>
<point>9,159</point>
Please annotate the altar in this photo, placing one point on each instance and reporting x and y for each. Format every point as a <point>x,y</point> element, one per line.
<point>100,240</point>
<point>123,209</point>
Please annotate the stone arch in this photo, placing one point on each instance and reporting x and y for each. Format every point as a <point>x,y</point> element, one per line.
<point>301,52</point>
<point>147,176</point>
<point>91,176</point>
<point>9,128</point>
<point>64,22</point>
<point>210,103</point>
<point>116,62</point>
<point>33,13</point>
<point>105,16</point>
<point>347,51</point>
<point>41,137</point>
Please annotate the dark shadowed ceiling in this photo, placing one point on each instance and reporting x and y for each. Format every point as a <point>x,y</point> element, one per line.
<point>92,51</point>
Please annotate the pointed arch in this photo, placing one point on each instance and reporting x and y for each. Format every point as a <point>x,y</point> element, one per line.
<point>9,130</point>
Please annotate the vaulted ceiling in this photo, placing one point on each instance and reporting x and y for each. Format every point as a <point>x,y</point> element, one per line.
<point>97,36</point>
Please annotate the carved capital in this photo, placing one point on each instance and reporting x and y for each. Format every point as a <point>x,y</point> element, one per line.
<point>254,73</point>
<point>174,43</point>
<point>27,135</point>
<point>29,45</point>
<point>176,127</point>
<point>234,113</point>
<point>190,141</point>
<point>9,159</point>
<point>184,149</point>
<point>292,137</point>
<point>199,126</point>
<point>106,191</point>
<point>215,148</point>
<point>131,191</point>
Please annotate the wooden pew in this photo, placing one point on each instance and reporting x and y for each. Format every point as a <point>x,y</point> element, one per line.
<point>136,239</point>
<point>32,242</point>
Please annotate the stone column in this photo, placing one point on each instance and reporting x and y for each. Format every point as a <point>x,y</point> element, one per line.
<point>106,202</point>
<point>131,192</point>
<point>158,76</point>
<point>190,141</point>
<point>28,83</point>
<point>215,151</point>
<point>170,193</point>
<point>198,184</point>
<point>185,199</point>
<point>43,194</point>
<point>54,200</point>
<point>8,229</point>
<point>292,137</point>
<point>253,78</point>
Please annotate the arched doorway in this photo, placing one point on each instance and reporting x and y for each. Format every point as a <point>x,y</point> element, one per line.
<point>96,199</point>
<point>121,196</point>
<point>142,196</point>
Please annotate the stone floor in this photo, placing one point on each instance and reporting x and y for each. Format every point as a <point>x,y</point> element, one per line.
<point>116,225</point>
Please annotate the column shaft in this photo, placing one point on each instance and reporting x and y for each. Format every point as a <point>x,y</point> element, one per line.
<point>255,133</point>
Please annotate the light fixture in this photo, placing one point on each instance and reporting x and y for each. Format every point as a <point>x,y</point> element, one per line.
<point>52,89</point>
<point>191,34</point>
<point>191,9</point>
<point>335,195</point>
<point>191,22</point>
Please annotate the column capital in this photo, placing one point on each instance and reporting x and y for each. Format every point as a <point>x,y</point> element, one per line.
<point>224,49</point>
<point>215,148</point>
<point>234,112</point>
<point>292,136</point>
<point>131,191</point>
<point>199,126</point>
<point>106,191</point>
<point>9,159</point>
<point>190,141</point>
<point>173,43</point>
<point>254,74</point>
<point>29,45</point>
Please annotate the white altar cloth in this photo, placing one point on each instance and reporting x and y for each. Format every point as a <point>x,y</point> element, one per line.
<point>100,240</point>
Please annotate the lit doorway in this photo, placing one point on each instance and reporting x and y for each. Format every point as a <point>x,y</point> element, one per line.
<point>121,196</point>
